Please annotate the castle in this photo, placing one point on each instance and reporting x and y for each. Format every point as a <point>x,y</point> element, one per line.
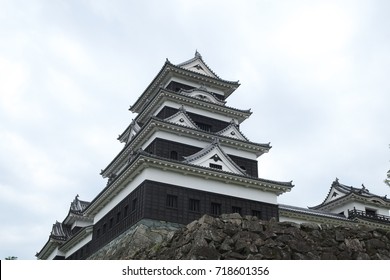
<point>184,155</point>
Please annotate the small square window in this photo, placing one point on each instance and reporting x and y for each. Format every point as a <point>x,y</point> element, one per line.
<point>236,209</point>
<point>134,205</point>
<point>194,205</point>
<point>126,211</point>
<point>215,208</point>
<point>256,213</point>
<point>171,201</point>
<point>370,212</point>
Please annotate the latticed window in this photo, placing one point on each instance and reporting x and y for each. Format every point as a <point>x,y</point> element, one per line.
<point>216,166</point>
<point>126,211</point>
<point>256,213</point>
<point>236,209</point>
<point>215,208</point>
<point>134,205</point>
<point>203,126</point>
<point>370,212</point>
<point>194,205</point>
<point>173,155</point>
<point>171,201</point>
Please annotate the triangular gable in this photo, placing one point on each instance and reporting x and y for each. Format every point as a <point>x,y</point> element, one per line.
<point>197,65</point>
<point>134,128</point>
<point>203,94</point>
<point>232,131</point>
<point>130,132</point>
<point>182,118</point>
<point>333,194</point>
<point>214,157</point>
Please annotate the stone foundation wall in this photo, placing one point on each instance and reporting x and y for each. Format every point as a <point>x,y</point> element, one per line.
<point>145,235</point>
<point>234,237</point>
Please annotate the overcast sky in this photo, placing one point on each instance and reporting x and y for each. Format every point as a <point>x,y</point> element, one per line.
<point>314,73</point>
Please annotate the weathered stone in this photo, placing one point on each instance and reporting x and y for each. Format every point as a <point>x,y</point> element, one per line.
<point>361,256</point>
<point>239,238</point>
<point>240,245</point>
<point>251,249</point>
<point>203,253</point>
<point>206,219</point>
<point>353,245</point>
<point>230,229</point>
<point>192,226</point>
<point>340,235</point>
<point>227,217</point>
<point>253,226</point>
<point>234,256</point>
<point>344,255</point>
<point>309,226</point>
<point>373,245</point>
<point>328,256</point>
<point>225,247</point>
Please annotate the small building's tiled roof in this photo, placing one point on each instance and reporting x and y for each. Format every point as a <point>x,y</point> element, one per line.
<point>349,191</point>
<point>77,206</point>
<point>312,212</point>
<point>60,232</point>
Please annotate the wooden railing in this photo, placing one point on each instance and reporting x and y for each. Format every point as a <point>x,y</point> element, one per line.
<point>363,214</point>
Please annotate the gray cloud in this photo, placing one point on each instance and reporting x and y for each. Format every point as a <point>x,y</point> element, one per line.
<point>315,77</point>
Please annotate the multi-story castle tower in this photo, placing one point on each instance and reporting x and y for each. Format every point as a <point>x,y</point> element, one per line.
<point>183,156</point>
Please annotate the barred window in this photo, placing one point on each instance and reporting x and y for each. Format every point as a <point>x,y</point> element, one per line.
<point>256,213</point>
<point>134,204</point>
<point>173,155</point>
<point>194,205</point>
<point>171,201</point>
<point>216,166</point>
<point>236,209</point>
<point>215,208</point>
<point>126,211</point>
<point>203,126</point>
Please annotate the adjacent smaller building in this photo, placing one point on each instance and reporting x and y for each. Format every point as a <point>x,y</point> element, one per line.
<point>343,204</point>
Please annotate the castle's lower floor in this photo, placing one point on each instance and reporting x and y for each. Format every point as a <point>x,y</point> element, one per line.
<point>176,204</point>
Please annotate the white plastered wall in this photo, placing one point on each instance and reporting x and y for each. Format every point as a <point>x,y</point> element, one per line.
<point>188,181</point>
<point>197,143</point>
<point>79,245</point>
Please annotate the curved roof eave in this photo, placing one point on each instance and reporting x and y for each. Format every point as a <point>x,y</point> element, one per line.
<point>167,68</point>
<point>143,159</point>
<point>263,148</point>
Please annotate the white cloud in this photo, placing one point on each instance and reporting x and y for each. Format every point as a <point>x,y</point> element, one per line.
<point>14,78</point>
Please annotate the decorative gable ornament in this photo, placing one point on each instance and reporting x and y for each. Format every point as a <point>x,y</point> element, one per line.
<point>212,154</point>
<point>182,118</point>
<point>202,94</point>
<point>232,131</point>
<point>196,64</point>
